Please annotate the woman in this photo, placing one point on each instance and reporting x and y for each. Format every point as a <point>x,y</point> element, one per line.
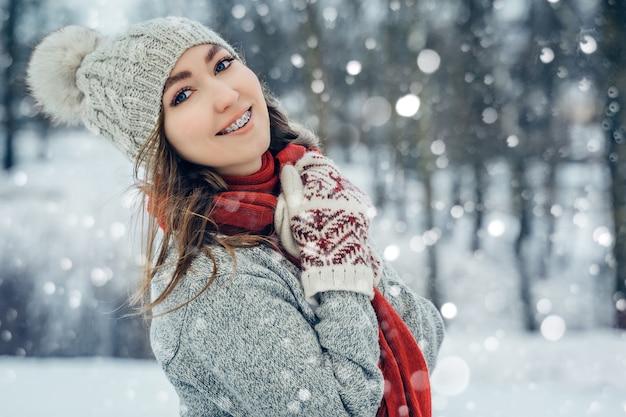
<point>266,296</point>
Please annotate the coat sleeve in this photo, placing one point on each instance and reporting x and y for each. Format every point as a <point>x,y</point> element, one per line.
<point>419,314</point>
<point>244,348</point>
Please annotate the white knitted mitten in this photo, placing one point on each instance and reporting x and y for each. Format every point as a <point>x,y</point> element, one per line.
<point>329,225</point>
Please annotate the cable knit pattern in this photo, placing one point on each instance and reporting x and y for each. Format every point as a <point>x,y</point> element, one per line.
<point>118,82</point>
<point>252,346</point>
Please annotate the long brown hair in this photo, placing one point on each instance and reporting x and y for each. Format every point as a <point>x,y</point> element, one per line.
<point>180,194</point>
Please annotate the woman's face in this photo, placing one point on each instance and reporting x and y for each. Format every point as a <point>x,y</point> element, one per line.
<point>215,112</point>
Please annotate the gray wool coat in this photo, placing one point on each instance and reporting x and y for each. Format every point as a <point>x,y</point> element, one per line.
<point>251,345</point>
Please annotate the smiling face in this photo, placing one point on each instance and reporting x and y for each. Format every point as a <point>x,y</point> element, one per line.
<point>214,111</point>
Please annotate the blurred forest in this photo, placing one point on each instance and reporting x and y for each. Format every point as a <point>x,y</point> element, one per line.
<point>463,108</point>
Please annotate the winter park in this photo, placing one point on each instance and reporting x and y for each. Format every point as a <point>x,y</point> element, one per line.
<point>489,136</point>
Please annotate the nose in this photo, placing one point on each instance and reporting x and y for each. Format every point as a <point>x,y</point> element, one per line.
<point>225,95</point>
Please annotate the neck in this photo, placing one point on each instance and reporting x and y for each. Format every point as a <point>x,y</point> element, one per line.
<point>257,180</point>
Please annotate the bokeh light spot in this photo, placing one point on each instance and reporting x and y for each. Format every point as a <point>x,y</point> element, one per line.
<point>428,61</point>
<point>553,328</point>
<point>449,310</point>
<point>408,105</point>
<point>451,376</point>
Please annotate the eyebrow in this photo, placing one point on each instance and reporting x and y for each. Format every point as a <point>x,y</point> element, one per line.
<point>186,74</point>
<point>212,52</point>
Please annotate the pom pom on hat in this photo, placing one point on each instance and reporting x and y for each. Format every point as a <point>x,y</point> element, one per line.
<point>52,71</point>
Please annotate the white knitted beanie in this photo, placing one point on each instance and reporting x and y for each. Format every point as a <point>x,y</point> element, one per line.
<point>114,87</point>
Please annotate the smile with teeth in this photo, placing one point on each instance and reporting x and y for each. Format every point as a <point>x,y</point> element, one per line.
<point>238,124</point>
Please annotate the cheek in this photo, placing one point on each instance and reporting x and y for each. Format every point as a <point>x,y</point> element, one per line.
<point>181,127</point>
<point>178,137</point>
<point>172,131</point>
<point>252,83</point>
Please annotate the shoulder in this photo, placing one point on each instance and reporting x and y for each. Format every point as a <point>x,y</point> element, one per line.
<point>256,279</point>
<point>226,338</point>
<point>258,262</point>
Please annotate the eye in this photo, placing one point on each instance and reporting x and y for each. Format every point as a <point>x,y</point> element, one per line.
<point>181,96</point>
<point>224,64</point>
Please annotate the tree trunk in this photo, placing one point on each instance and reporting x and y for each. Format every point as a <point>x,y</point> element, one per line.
<point>479,204</point>
<point>314,61</point>
<point>614,34</point>
<point>9,76</point>
<point>433,290</point>
<point>523,214</point>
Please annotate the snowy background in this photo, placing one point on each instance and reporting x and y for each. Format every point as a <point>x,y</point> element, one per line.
<point>487,367</point>
<point>490,134</point>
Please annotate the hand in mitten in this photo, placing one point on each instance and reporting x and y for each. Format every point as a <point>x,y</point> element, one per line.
<point>329,222</point>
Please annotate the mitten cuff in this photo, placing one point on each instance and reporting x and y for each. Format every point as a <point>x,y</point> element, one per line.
<point>355,278</point>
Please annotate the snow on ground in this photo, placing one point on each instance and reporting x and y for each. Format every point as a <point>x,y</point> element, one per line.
<point>86,387</point>
<point>506,375</point>
<point>515,375</point>
<point>482,371</point>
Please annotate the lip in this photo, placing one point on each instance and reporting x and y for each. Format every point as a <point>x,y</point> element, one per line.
<point>223,132</point>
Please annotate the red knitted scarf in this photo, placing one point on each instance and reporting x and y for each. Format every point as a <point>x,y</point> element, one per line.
<point>249,203</point>
<point>407,385</point>
<point>249,206</point>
